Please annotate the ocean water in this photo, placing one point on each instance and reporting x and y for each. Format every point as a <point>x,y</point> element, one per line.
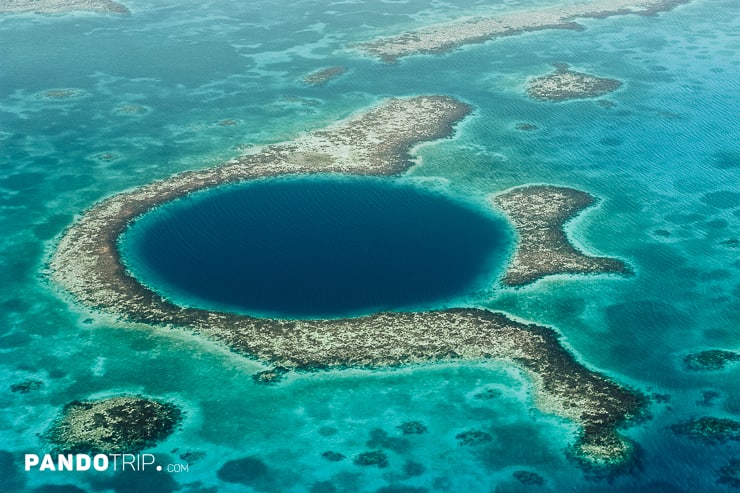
<point>664,162</point>
<point>317,247</point>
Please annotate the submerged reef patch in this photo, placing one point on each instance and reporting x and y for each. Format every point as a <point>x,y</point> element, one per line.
<point>529,478</point>
<point>26,386</point>
<point>270,377</point>
<point>709,430</point>
<point>526,127</point>
<point>488,394</point>
<point>539,213</point>
<point>442,38</point>
<point>473,437</point>
<point>332,456</point>
<point>115,425</point>
<point>60,94</point>
<point>711,359</point>
<point>729,474</point>
<point>372,458</point>
<point>249,471</point>
<point>564,84</point>
<point>412,428</point>
<point>131,109</point>
<point>376,142</point>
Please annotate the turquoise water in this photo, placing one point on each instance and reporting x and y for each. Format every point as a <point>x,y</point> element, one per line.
<point>318,247</point>
<point>654,160</point>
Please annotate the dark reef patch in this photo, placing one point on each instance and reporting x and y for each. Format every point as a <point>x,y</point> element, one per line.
<point>726,160</point>
<point>372,458</point>
<point>249,471</point>
<point>11,472</point>
<point>723,199</point>
<point>332,456</point>
<point>606,103</point>
<point>709,430</point>
<point>115,425</point>
<point>402,489</point>
<point>473,437</point>
<point>327,431</point>
<point>729,474</point>
<point>611,141</point>
<point>529,478</point>
<point>26,386</point>
<point>412,469</point>
<point>192,456</point>
<point>272,376</point>
<point>709,360</point>
<point>381,440</point>
<point>412,428</point>
<point>708,397</point>
<point>488,394</point>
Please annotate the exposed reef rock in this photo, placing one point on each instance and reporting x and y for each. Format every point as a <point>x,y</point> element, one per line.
<point>709,430</point>
<point>441,38</point>
<point>323,76</point>
<point>62,6</point>
<point>376,142</point>
<point>539,213</point>
<point>116,425</point>
<point>712,359</point>
<point>565,84</point>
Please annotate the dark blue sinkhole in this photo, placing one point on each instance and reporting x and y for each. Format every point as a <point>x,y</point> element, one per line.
<point>317,247</point>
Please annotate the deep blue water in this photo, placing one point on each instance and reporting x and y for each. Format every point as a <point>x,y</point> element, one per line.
<point>317,247</point>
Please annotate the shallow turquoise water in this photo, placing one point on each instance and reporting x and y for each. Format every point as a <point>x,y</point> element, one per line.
<point>653,160</point>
